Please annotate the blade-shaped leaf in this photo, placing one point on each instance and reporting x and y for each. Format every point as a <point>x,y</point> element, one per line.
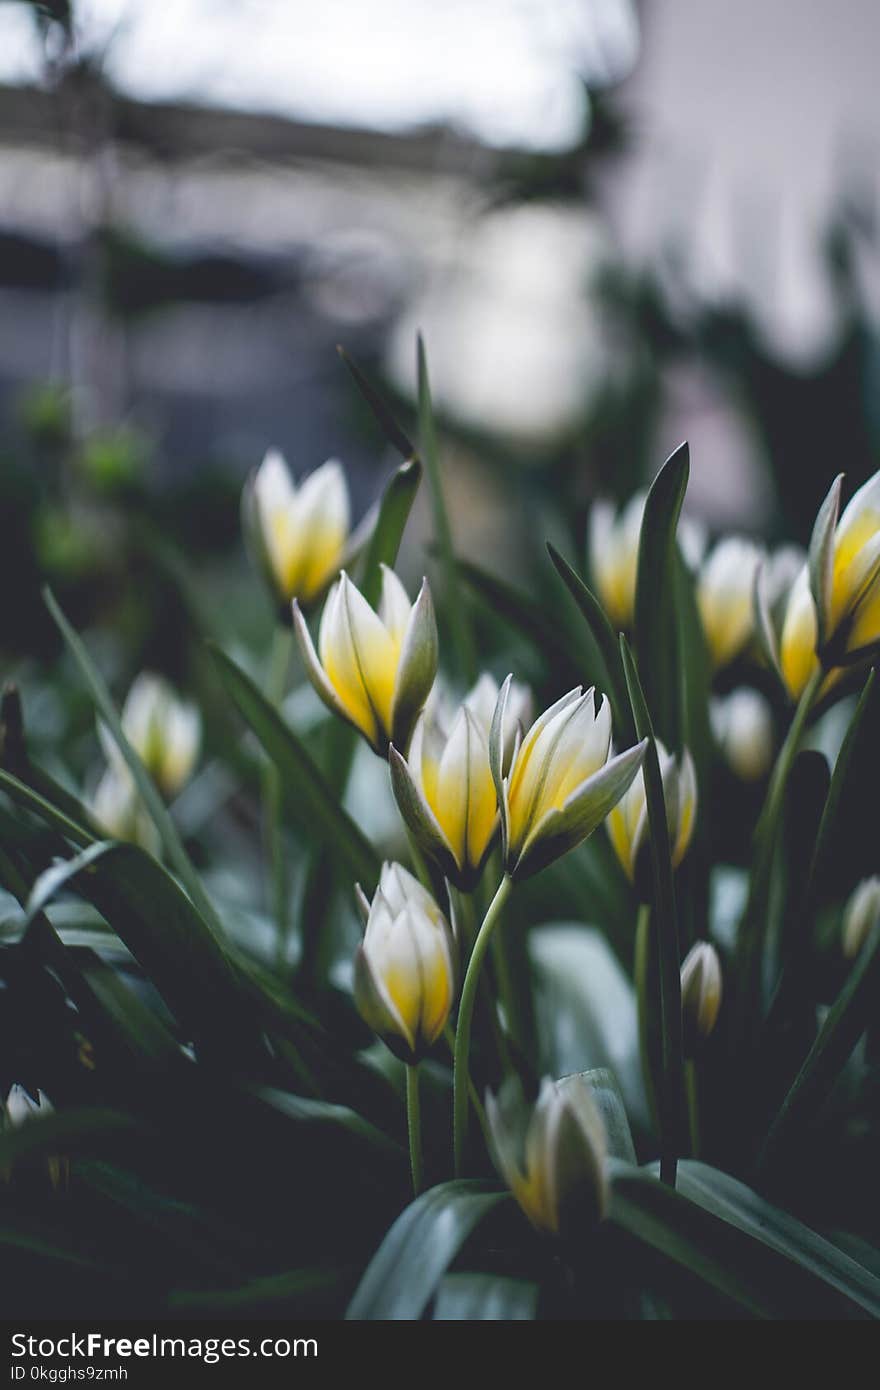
<point>394,510</point>
<point>663,941</point>
<point>315,805</point>
<point>417,1251</point>
<point>387,422</point>
<point>656,629</point>
<point>529,619</point>
<point>846,760</point>
<point>820,560</point>
<point>485,1298</point>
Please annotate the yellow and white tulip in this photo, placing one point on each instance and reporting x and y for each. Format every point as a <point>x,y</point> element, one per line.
<point>562,781</point>
<point>120,812</point>
<point>405,972</point>
<point>833,613</point>
<point>552,1156</point>
<point>700,995</point>
<point>860,916</point>
<point>725,597</point>
<point>163,730</point>
<point>374,669</point>
<point>742,723</point>
<point>297,534</point>
<point>613,540</point>
<point>628,820</point>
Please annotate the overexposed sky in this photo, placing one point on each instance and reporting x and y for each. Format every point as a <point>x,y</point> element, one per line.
<point>505,70</point>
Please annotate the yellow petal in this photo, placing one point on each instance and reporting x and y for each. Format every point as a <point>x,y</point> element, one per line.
<point>797,647</point>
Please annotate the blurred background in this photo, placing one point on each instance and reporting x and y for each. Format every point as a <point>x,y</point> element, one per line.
<point>617,225</point>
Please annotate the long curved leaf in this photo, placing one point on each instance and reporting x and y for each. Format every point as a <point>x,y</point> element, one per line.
<point>394,510</point>
<point>606,640</point>
<point>316,808</point>
<point>485,1298</point>
<point>417,1251</point>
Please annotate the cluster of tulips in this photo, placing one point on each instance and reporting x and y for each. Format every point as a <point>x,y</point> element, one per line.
<point>488,774</point>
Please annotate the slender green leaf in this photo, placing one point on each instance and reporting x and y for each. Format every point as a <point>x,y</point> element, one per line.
<point>31,800</point>
<point>60,1132</point>
<point>606,1094</point>
<point>394,510</point>
<point>852,1011</point>
<point>389,425</point>
<point>820,560</point>
<point>656,627</point>
<point>724,1255</point>
<point>315,805</point>
<point>171,841</point>
<point>529,619</point>
<point>459,626</point>
<point>606,640</point>
<point>663,934</point>
<point>733,1201</point>
<point>485,1298</point>
<point>416,1253</point>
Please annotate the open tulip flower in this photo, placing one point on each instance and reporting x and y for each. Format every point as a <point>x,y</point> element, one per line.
<point>725,596</point>
<point>628,820</point>
<point>562,781</point>
<point>406,966</point>
<point>833,613</point>
<point>374,669</point>
<point>297,535</point>
<point>552,1155</point>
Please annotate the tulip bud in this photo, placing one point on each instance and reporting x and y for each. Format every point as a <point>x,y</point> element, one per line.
<point>552,1155</point>
<point>405,968</point>
<point>860,916</point>
<point>742,723</point>
<point>481,702</point>
<point>375,670</point>
<point>163,730</point>
<point>700,995</point>
<point>118,808</point>
<point>21,1108</point>
<point>725,597</point>
<point>614,554</point>
<point>562,781</point>
<point>297,535</point>
<point>628,821</point>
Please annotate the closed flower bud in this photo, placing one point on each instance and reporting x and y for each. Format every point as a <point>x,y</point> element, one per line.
<point>163,730</point>
<point>725,597</point>
<point>405,969</point>
<point>628,821</point>
<point>552,1155</point>
<point>119,810</point>
<point>614,553</point>
<point>742,723</point>
<point>860,917</point>
<point>700,995</point>
<point>297,534</point>
<point>374,669</point>
<point>562,781</point>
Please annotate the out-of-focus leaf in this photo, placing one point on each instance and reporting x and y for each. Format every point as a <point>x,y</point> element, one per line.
<point>839,779</point>
<point>695,674</point>
<point>317,809</point>
<point>30,800</point>
<point>733,1201</point>
<point>396,505</point>
<point>485,1298</point>
<point>171,841</point>
<point>586,1010</point>
<point>606,641</point>
<point>61,1131</point>
<point>459,627</point>
<point>656,626</point>
<point>424,1240</point>
<point>530,620</point>
<point>609,1101</point>
<point>387,422</point>
<point>664,963</point>
<point>278,1292</point>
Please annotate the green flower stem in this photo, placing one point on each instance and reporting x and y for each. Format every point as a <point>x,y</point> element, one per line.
<point>414,1127</point>
<point>646,989</point>
<point>276,680</point>
<point>461,1072</point>
<point>753,926</point>
<point>477,1104</point>
<point>692,1085</point>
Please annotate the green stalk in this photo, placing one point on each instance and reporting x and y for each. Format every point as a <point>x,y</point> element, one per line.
<point>461,1072</point>
<point>692,1085</point>
<point>414,1126</point>
<point>646,989</point>
<point>276,679</point>
<point>752,932</point>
